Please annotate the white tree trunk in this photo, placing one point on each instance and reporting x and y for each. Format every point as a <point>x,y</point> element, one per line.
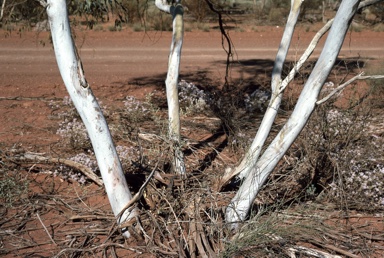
<point>253,153</point>
<point>172,80</point>
<point>240,205</point>
<point>86,104</point>
<point>2,10</point>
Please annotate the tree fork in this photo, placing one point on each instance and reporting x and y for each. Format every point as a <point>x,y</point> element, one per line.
<point>240,205</point>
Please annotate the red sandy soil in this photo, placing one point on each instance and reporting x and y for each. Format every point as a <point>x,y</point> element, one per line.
<point>119,64</point>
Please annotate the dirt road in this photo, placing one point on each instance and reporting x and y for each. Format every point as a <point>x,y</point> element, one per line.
<point>130,57</point>
<point>124,63</point>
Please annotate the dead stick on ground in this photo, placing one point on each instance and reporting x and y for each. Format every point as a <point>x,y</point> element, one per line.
<point>302,250</point>
<point>92,249</point>
<point>292,250</point>
<point>38,158</point>
<point>31,98</point>
<point>134,199</point>
<point>45,228</point>
<point>90,217</point>
<point>333,248</point>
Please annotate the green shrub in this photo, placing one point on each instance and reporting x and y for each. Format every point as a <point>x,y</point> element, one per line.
<point>204,27</point>
<point>137,27</point>
<point>162,23</point>
<point>379,27</point>
<point>11,189</point>
<point>98,27</point>
<point>277,15</point>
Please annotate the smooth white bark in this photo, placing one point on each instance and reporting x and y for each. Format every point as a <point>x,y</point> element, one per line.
<point>253,153</point>
<point>172,80</point>
<point>2,10</point>
<point>163,5</point>
<point>240,205</point>
<point>255,149</point>
<point>87,106</point>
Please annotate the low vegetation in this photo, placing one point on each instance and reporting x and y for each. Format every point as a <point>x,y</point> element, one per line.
<point>143,15</point>
<point>335,167</point>
<point>326,194</point>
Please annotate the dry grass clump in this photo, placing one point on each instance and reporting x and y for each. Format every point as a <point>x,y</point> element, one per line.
<point>379,27</point>
<point>338,157</point>
<point>12,187</point>
<point>54,218</point>
<point>313,229</point>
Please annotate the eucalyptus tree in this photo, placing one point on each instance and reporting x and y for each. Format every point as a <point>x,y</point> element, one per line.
<point>15,10</point>
<point>72,73</point>
<point>256,166</point>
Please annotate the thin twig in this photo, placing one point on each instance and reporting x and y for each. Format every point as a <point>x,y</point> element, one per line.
<point>308,52</point>
<point>45,228</point>
<point>342,86</point>
<point>177,221</point>
<point>30,98</point>
<point>333,248</point>
<point>136,197</point>
<point>95,248</point>
<point>38,158</point>
<point>89,217</point>
<point>224,35</point>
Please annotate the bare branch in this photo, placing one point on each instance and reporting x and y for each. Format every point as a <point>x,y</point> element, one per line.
<point>342,86</point>
<point>308,52</point>
<point>45,228</point>
<point>258,173</point>
<point>172,81</point>
<point>88,108</point>
<point>163,5</point>
<point>224,35</point>
<point>40,158</point>
<point>281,87</point>
<point>2,10</point>
<point>254,151</point>
<point>137,196</point>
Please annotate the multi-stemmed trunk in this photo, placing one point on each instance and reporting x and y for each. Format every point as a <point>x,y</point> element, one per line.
<point>258,169</point>
<point>256,166</point>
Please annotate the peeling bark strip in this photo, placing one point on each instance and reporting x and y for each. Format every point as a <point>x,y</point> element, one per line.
<point>258,172</point>
<point>172,80</point>
<point>86,104</point>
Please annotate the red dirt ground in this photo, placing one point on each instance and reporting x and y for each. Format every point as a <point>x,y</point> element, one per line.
<point>119,64</point>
